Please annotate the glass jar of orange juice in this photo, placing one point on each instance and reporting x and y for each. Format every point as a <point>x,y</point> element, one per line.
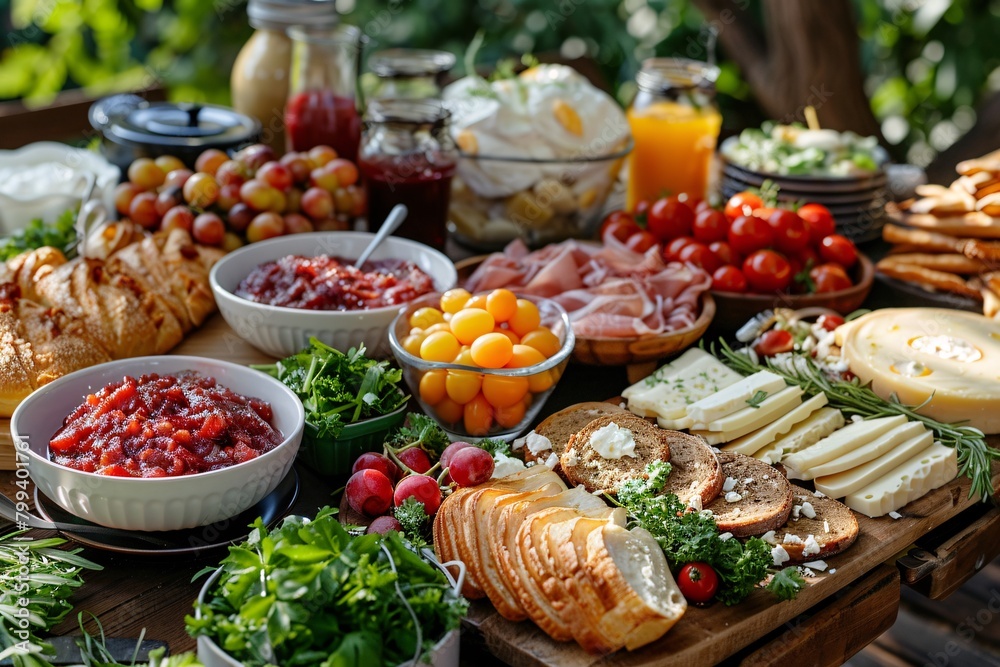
<point>675,125</point>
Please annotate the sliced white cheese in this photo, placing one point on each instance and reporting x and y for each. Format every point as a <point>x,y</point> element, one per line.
<point>734,397</point>
<point>690,357</point>
<point>675,424</point>
<point>817,426</point>
<point>670,395</point>
<point>750,419</point>
<point>753,442</point>
<point>845,440</point>
<point>842,483</point>
<point>934,467</point>
<point>874,449</point>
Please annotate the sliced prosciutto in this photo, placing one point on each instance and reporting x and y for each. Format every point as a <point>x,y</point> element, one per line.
<point>609,292</point>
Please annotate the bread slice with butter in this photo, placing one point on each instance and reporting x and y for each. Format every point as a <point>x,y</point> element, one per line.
<point>696,474</point>
<point>755,497</point>
<point>553,433</point>
<point>611,450</point>
<point>818,528</point>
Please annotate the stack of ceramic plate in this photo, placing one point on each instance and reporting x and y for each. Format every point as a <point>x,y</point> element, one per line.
<point>856,202</point>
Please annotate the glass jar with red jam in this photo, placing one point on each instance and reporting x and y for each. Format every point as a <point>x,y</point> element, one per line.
<point>408,157</point>
<point>322,107</point>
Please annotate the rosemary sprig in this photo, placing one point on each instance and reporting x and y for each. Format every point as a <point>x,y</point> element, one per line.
<point>975,456</point>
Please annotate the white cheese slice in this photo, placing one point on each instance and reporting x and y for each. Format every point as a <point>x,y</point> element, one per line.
<point>752,442</point>
<point>845,440</point>
<point>817,426</point>
<point>690,357</point>
<point>674,424</point>
<point>934,467</point>
<point>874,449</point>
<point>842,483</point>
<point>670,396</point>
<point>734,397</point>
<point>749,420</point>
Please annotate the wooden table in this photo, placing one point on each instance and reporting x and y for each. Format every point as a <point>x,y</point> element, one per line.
<point>826,626</point>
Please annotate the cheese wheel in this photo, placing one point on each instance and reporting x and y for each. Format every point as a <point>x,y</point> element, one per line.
<point>948,358</point>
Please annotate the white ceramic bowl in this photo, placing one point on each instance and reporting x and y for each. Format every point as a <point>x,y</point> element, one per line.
<point>166,503</point>
<point>67,167</point>
<point>280,331</point>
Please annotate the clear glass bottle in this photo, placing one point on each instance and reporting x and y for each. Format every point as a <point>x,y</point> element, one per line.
<point>322,106</point>
<point>408,157</point>
<point>260,75</point>
<point>675,124</point>
<point>410,73</point>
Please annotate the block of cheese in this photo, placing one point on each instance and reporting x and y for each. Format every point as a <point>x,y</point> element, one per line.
<point>845,440</point>
<point>817,426</point>
<point>668,392</point>
<point>750,419</point>
<point>675,424</point>
<point>840,484</point>
<point>734,397</point>
<point>948,358</point>
<point>935,466</point>
<point>871,451</point>
<point>753,442</point>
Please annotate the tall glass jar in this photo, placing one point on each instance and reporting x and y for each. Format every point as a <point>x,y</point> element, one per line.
<point>322,108</point>
<point>675,124</point>
<point>410,73</point>
<point>408,157</point>
<point>259,79</point>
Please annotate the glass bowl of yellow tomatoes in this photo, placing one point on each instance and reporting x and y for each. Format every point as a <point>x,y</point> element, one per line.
<point>482,365</point>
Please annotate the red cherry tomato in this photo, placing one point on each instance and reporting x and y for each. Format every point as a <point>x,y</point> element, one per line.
<point>669,218</point>
<point>767,271</point>
<point>710,226</point>
<point>672,251</point>
<point>808,257</point>
<point>621,229</point>
<point>729,279</point>
<point>764,212</point>
<point>698,582</point>
<point>819,220</point>
<point>829,278</point>
<point>641,208</point>
<point>830,322</point>
<point>641,241</point>
<point>724,252</point>
<point>748,234</point>
<point>774,341</point>
<point>838,249</point>
<point>702,205</point>
<point>699,255</point>
<point>790,233</point>
<point>742,203</point>
<point>690,200</point>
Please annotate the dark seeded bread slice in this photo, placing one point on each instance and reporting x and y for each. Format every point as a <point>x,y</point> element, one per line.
<point>765,497</point>
<point>581,464</point>
<point>834,527</point>
<point>696,471</point>
<point>561,426</point>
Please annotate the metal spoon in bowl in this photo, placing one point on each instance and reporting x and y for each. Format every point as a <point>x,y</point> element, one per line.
<point>392,222</point>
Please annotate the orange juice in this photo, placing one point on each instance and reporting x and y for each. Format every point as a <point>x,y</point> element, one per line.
<point>674,143</point>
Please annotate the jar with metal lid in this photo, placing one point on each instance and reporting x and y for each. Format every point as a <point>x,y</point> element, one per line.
<point>410,73</point>
<point>408,157</point>
<point>675,124</point>
<point>260,75</point>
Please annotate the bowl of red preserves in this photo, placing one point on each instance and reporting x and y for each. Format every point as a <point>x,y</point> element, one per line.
<point>159,443</point>
<point>277,294</point>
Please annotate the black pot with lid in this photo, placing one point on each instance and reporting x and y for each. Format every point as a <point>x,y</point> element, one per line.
<point>132,127</point>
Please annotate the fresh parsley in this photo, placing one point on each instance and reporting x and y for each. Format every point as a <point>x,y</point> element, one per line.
<point>338,389</point>
<point>758,398</point>
<point>421,431</point>
<point>494,446</point>
<point>416,524</point>
<point>787,583</point>
<point>59,234</point>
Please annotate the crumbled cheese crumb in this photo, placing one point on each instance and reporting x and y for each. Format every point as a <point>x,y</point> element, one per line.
<point>832,570</point>
<point>779,556</point>
<point>826,526</point>
<point>805,572</point>
<point>792,538</point>
<point>729,484</point>
<point>706,513</point>
<point>796,509</point>
<point>812,546</point>
<point>819,494</point>
<point>895,515</point>
<point>572,458</point>
<point>769,537</point>
<point>725,536</point>
<point>748,480</point>
<point>552,461</point>
<point>808,511</point>
<point>767,477</point>
<point>736,511</point>
<point>816,565</point>
<point>530,464</point>
<point>622,405</point>
<point>733,497</point>
<point>695,503</point>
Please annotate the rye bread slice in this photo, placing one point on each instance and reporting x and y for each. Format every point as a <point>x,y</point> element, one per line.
<point>762,501</point>
<point>560,426</point>
<point>581,464</point>
<point>834,527</point>
<point>696,475</point>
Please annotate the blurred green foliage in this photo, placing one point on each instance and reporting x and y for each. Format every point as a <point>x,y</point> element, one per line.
<point>928,62</point>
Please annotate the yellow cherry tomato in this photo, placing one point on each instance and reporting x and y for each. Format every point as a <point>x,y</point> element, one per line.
<point>426,316</point>
<point>525,318</point>
<point>412,343</point>
<point>432,389</point>
<point>462,386</point>
<point>492,350</point>
<point>523,356</point>
<point>448,411</point>
<point>478,416</point>
<point>469,324</point>
<point>440,326</point>
<point>508,333</point>
<point>478,301</point>
<point>502,304</point>
<point>540,382</point>
<point>510,417</point>
<point>464,357</point>
<point>439,346</point>
<point>454,300</point>
<point>504,392</point>
<point>543,340</point>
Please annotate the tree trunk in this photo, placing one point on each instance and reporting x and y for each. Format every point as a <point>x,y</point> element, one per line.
<point>982,138</point>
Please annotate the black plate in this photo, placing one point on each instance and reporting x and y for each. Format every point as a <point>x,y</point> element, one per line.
<point>271,508</point>
<point>940,299</point>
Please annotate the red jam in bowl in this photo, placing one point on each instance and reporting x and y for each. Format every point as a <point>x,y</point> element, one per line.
<point>164,426</point>
<point>332,283</point>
